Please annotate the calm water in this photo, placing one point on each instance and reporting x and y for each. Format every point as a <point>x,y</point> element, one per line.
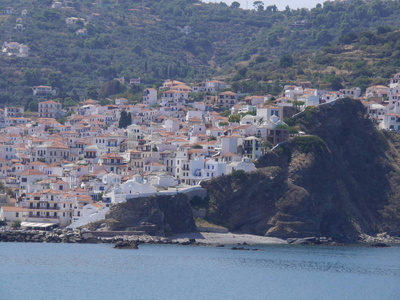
<point>73,271</point>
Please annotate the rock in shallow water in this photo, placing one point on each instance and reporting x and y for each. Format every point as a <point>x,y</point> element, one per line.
<point>126,245</point>
<point>380,245</point>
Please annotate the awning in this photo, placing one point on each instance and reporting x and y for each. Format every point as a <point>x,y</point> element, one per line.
<point>40,225</point>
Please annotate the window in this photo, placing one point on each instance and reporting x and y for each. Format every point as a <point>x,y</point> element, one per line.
<point>16,215</point>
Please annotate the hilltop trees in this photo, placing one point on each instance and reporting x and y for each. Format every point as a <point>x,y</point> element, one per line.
<point>235,5</point>
<point>258,5</point>
<point>176,39</point>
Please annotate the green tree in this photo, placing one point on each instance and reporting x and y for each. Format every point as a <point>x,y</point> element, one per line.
<point>125,120</point>
<point>54,80</point>
<point>32,77</point>
<point>235,5</point>
<point>16,224</point>
<point>298,103</point>
<point>33,105</point>
<point>286,61</point>
<point>137,48</point>
<point>68,102</point>
<point>334,81</point>
<point>92,92</point>
<point>258,4</point>
<point>112,87</point>
<point>226,113</point>
<point>234,118</point>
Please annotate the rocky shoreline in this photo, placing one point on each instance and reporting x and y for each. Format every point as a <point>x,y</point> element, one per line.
<point>82,237</point>
<point>194,239</point>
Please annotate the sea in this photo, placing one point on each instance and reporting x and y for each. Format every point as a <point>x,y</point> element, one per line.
<point>97,271</point>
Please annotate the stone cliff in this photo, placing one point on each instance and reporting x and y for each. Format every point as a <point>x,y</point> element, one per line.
<point>155,215</point>
<point>341,181</point>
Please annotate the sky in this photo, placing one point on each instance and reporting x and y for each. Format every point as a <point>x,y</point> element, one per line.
<point>280,4</point>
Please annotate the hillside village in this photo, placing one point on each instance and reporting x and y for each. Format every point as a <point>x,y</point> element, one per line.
<point>105,154</point>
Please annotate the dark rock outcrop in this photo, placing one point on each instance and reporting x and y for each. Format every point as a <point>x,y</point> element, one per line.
<point>126,245</point>
<point>380,245</point>
<point>155,215</point>
<point>340,181</point>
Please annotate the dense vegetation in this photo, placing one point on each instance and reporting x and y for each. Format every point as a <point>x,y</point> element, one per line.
<point>334,45</point>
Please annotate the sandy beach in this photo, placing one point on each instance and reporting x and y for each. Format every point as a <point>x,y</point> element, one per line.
<point>208,238</point>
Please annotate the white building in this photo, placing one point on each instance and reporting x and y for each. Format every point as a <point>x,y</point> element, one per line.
<point>137,187</point>
<point>267,111</point>
<point>43,90</point>
<point>174,98</point>
<point>150,97</point>
<point>244,165</point>
<point>350,93</point>
<point>252,147</point>
<point>50,109</point>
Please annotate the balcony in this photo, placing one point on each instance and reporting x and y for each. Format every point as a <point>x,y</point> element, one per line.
<point>43,217</point>
<point>44,208</point>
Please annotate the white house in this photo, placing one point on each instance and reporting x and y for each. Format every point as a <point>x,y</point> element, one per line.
<point>394,80</point>
<point>11,214</point>
<point>150,97</point>
<point>162,180</point>
<point>43,90</point>
<point>245,165</point>
<point>266,111</point>
<point>350,93</point>
<point>252,147</point>
<point>174,98</point>
<point>50,109</point>
<point>29,177</point>
<point>137,187</point>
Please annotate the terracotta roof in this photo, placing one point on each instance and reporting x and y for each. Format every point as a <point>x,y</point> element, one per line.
<point>229,154</point>
<point>154,163</point>
<point>32,172</point>
<point>12,208</point>
<point>111,155</point>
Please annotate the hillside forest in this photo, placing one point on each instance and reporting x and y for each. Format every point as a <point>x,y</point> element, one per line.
<point>333,45</point>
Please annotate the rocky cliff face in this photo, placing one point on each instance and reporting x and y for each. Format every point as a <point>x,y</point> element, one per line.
<point>340,181</point>
<point>155,215</point>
